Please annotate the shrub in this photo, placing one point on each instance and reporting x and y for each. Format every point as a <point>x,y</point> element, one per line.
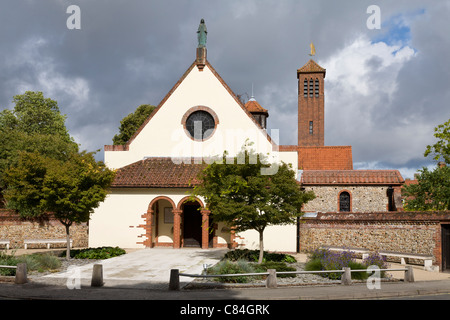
<point>360,275</point>
<point>314,265</point>
<point>230,267</point>
<point>47,261</point>
<point>97,253</point>
<point>318,254</point>
<point>253,255</point>
<point>324,259</point>
<point>7,260</point>
<point>227,266</point>
<point>374,259</point>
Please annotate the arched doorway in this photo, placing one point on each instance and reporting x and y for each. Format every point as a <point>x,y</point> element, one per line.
<point>195,224</point>
<point>192,225</point>
<point>156,233</point>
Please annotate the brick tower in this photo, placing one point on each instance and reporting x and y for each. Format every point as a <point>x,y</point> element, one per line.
<point>311,104</point>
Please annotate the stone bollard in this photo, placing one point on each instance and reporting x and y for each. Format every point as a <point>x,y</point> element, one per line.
<point>346,278</point>
<point>409,274</point>
<point>21,274</point>
<point>97,276</point>
<point>271,281</point>
<point>174,282</point>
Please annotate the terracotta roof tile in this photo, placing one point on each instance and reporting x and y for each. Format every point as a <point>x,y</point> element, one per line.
<point>158,173</point>
<point>325,158</point>
<point>354,177</point>
<point>311,67</point>
<point>253,106</point>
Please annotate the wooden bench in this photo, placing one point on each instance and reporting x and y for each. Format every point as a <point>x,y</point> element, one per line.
<point>364,252</point>
<point>45,241</point>
<point>5,242</point>
<point>428,259</point>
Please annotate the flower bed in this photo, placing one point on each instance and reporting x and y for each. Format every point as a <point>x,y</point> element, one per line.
<point>324,259</point>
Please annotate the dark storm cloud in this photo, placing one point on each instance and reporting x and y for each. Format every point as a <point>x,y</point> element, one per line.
<point>132,52</point>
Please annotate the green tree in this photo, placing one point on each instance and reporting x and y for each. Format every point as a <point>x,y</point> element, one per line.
<point>131,123</point>
<point>246,199</point>
<point>432,190</point>
<point>70,189</point>
<point>34,125</point>
<point>441,149</point>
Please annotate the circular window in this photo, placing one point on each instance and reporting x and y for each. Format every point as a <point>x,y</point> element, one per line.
<point>200,125</point>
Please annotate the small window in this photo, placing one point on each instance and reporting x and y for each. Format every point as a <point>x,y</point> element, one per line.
<point>344,202</point>
<point>311,89</point>
<point>311,129</point>
<point>316,88</point>
<point>305,88</point>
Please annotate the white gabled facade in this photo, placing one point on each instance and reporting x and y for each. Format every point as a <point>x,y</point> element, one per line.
<point>158,216</point>
<point>164,134</point>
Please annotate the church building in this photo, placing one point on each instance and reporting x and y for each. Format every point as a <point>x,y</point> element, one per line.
<point>200,117</point>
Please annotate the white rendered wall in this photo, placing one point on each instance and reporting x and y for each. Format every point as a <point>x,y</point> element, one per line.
<point>115,222</point>
<point>164,135</point>
<point>280,238</point>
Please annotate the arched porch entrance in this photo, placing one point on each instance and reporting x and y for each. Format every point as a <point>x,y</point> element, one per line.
<point>196,229</point>
<point>187,224</point>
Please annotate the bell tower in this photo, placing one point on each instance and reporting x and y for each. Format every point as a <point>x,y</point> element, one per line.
<point>311,104</point>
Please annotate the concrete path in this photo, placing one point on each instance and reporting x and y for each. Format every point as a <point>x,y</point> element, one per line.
<point>145,268</point>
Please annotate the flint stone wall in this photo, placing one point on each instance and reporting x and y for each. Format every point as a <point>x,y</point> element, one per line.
<point>409,232</point>
<point>16,230</point>
<point>363,198</point>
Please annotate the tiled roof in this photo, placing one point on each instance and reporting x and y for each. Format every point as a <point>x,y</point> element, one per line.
<point>158,173</point>
<point>325,158</point>
<point>310,67</point>
<point>253,106</point>
<point>361,177</point>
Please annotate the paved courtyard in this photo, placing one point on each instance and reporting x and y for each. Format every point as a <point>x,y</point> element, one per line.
<point>144,268</point>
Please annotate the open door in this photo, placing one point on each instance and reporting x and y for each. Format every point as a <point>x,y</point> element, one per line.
<point>445,241</point>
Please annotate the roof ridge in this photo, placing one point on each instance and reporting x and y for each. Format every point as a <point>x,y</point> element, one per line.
<point>311,67</point>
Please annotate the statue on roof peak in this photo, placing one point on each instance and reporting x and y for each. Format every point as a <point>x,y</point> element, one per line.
<point>201,34</point>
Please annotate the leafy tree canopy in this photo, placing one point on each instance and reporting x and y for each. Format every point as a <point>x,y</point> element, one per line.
<point>239,194</point>
<point>131,123</point>
<point>432,190</point>
<point>34,125</point>
<point>41,167</point>
<point>441,149</point>
<point>70,189</point>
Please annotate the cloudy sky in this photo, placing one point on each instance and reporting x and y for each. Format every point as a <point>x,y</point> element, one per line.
<point>386,89</point>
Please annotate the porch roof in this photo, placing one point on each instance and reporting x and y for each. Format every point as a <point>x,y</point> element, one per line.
<point>158,172</point>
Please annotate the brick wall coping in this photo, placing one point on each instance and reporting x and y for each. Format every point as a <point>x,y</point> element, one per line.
<point>432,216</point>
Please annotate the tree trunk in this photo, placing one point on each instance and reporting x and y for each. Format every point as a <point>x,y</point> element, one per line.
<point>68,241</point>
<point>261,246</point>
